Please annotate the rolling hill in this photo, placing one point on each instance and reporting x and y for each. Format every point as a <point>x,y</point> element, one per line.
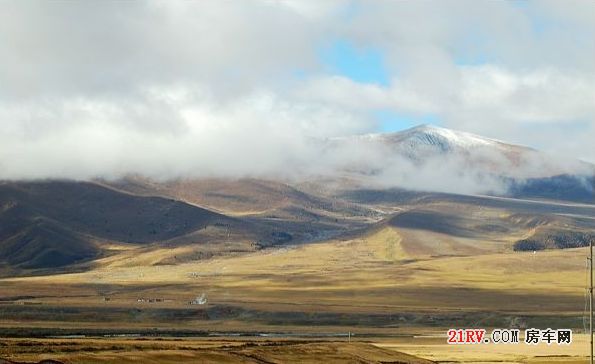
<point>49,224</point>
<point>56,223</point>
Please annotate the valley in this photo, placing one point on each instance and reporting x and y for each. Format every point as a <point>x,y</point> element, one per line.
<point>437,261</point>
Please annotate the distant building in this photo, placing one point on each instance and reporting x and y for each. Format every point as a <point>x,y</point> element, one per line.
<point>200,300</point>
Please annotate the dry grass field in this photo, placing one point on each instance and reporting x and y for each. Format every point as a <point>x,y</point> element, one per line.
<point>375,273</point>
<point>200,351</point>
<point>376,286</point>
<point>422,349</point>
<point>396,286</point>
<point>435,348</point>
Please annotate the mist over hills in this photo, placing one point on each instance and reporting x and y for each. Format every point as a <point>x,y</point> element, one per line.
<point>430,158</point>
<point>423,158</point>
<point>367,180</point>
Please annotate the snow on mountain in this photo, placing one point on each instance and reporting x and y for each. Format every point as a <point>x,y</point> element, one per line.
<point>433,137</point>
<point>444,138</point>
<point>440,148</point>
<point>427,141</point>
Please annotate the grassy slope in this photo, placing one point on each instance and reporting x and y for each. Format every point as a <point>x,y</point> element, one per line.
<point>105,213</point>
<point>206,351</point>
<point>375,274</point>
<point>244,197</point>
<point>53,224</point>
<point>381,283</point>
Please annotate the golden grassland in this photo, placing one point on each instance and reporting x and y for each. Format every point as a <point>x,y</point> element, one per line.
<point>361,283</point>
<point>436,349</point>
<point>376,271</point>
<point>421,349</point>
<point>200,351</point>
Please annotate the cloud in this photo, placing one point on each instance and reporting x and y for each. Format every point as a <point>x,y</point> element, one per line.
<point>255,135</point>
<point>485,99</point>
<point>171,89</point>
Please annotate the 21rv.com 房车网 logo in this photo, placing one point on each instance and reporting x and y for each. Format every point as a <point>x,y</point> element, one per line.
<point>510,336</point>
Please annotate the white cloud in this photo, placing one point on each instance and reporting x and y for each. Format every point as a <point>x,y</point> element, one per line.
<point>254,135</point>
<point>210,88</point>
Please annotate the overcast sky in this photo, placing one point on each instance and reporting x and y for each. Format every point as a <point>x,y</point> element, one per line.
<point>172,88</point>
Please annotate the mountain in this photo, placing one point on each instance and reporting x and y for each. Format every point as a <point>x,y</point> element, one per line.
<point>240,197</point>
<point>427,143</point>
<point>287,209</point>
<point>576,188</point>
<point>423,140</point>
<point>52,224</point>
<point>430,158</point>
<point>57,223</point>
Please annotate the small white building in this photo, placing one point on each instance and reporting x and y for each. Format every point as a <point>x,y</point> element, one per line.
<point>200,300</point>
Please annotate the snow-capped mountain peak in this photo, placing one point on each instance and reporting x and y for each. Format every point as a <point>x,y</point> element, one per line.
<point>420,140</point>
<point>431,150</point>
<point>433,134</point>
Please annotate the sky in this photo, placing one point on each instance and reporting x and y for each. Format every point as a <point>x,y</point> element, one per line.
<point>208,88</point>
